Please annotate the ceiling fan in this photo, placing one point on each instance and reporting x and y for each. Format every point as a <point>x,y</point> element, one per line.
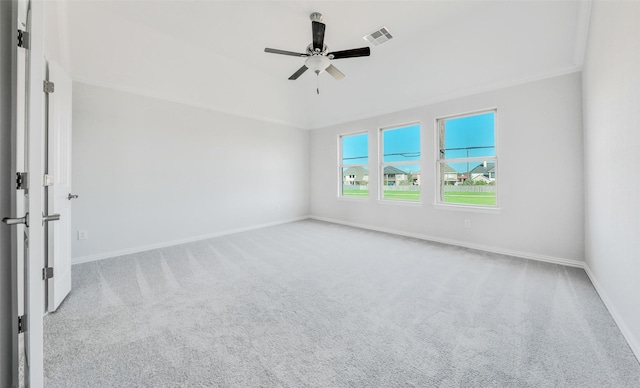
<point>318,57</point>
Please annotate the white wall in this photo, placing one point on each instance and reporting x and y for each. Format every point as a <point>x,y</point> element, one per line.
<point>539,139</point>
<point>611,82</point>
<point>55,33</point>
<point>151,172</point>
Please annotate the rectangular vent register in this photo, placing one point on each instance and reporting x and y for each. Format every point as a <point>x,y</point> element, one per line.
<point>378,37</point>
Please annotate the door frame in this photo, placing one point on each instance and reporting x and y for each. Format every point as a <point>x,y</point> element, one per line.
<point>11,195</point>
<point>34,306</point>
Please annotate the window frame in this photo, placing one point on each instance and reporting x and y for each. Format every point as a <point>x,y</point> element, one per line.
<point>341,166</point>
<point>382,164</point>
<point>439,198</point>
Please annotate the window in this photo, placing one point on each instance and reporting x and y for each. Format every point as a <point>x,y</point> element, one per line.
<point>354,165</point>
<point>467,160</point>
<point>400,167</point>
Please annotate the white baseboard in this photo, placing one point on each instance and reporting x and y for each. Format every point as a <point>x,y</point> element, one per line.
<point>164,244</point>
<point>633,342</point>
<point>501,251</point>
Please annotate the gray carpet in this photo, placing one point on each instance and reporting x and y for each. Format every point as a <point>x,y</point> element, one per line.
<point>313,304</point>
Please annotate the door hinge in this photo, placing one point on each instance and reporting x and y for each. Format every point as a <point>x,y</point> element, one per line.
<point>21,324</point>
<point>48,86</point>
<point>21,181</point>
<point>23,39</point>
<point>48,180</point>
<point>47,273</point>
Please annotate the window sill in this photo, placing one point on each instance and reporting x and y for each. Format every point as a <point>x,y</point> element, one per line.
<point>354,199</point>
<point>400,202</point>
<point>466,208</point>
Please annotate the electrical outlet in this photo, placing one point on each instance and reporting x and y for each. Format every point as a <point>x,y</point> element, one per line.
<point>467,223</point>
<point>83,235</point>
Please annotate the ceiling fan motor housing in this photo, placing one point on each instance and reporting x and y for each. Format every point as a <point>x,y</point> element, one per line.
<point>311,51</point>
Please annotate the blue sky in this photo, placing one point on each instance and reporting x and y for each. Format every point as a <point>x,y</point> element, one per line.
<point>465,135</point>
<point>469,131</point>
<point>403,144</point>
<point>355,149</point>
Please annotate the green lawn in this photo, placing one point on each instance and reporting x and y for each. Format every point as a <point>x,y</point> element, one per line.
<point>407,195</point>
<point>355,193</point>
<point>453,197</point>
<point>468,198</point>
<point>388,194</point>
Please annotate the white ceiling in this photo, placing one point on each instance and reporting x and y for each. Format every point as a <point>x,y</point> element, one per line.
<point>210,53</point>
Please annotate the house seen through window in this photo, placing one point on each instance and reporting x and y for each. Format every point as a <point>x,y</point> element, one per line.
<point>354,165</point>
<point>400,167</point>
<point>467,159</point>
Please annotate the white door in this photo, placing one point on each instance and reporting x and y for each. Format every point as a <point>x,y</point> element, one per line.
<point>58,191</point>
<point>28,201</point>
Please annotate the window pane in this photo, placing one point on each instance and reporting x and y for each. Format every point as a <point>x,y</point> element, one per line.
<point>355,149</point>
<point>355,181</point>
<point>401,182</point>
<point>472,183</point>
<point>401,144</point>
<point>469,136</point>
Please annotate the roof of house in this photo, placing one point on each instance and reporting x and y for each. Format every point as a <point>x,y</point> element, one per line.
<point>390,170</point>
<point>481,168</point>
<point>356,170</point>
<point>448,169</point>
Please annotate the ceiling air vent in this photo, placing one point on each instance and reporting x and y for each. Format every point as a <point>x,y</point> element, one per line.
<point>378,37</point>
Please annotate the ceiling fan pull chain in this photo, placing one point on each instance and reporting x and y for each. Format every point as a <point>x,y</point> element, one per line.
<point>318,83</point>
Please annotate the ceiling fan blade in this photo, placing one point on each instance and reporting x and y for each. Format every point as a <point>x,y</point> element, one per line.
<point>352,53</point>
<point>298,73</point>
<point>317,29</point>
<point>337,74</point>
<point>283,52</point>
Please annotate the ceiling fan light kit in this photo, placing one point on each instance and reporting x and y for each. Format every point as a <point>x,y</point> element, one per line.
<point>317,63</point>
<point>318,57</point>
